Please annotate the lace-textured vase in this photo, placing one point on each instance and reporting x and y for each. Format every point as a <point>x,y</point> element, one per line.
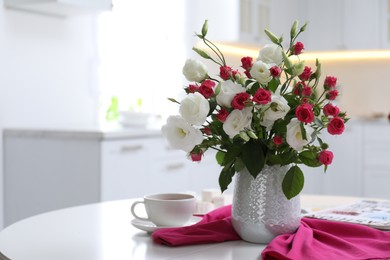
<point>260,209</point>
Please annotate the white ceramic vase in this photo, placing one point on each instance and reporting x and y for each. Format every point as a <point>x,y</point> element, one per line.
<point>260,209</point>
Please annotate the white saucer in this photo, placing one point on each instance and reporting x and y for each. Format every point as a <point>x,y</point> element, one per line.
<point>150,227</point>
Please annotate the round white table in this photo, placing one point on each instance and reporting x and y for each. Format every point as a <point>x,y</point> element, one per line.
<point>103,231</point>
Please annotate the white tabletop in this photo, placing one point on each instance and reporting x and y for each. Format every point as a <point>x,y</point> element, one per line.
<point>103,231</point>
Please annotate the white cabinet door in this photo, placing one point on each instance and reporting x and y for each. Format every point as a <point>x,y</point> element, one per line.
<point>125,168</point>
<point>344,175</point>
<point>376,160</point>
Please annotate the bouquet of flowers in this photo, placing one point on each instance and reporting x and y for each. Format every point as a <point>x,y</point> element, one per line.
<point>270,113</point>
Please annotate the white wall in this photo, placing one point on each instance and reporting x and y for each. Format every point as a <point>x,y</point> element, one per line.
<point>46,72</point>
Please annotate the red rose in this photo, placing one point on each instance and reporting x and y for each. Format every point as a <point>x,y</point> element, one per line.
<point>196,156</point>
<point>298,88</point>
<point>208,83</point>
<point>239,100</point>
<point>222,115</point>
<point>225,72</point>
<point>305,74</point>
<point>298,48</point>
<point>331,110</point>
<point>330,82</point>
<point>206,91</point>
<point>307,91</point>
<point>325,157</point>
<point>336,126</point>
<point>247,62</point>
<point>206,88</point>
<point>262,96</point>
<point>304,113</point>
<point>331,95</point>
<point>277,140</point>
<point>275,71</point>
<point>192,88</point>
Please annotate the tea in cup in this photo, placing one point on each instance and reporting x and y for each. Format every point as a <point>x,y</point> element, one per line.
<point>167,209</point>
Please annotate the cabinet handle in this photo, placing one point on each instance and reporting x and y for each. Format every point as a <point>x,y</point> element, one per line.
<point>174,166</point>
<point>131,148</point>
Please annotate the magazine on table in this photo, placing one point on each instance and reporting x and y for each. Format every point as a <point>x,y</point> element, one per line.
<point>372,213</point>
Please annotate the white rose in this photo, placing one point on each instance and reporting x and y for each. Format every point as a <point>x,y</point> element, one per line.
<point>227,92</point>
<point>237,121</point>
<point>276,109</point>
<point>194,70</point>
<point>294,135</point>
<point>194,108</point>
<point>180,134</point>
<point>260,72</point>
<point>271,54</point>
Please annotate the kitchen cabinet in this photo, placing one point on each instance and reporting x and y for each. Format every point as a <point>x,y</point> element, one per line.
<point>333,24</point>
<point>50,169</point>
<point>361,166</point>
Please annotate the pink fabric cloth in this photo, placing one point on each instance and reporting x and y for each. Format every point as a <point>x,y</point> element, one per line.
<point>315,239</point>
<point>322,239</point>
<point>214,227</point>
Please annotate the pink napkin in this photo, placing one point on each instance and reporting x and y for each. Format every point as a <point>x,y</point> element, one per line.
<point>314,239</point>
<point>323,239</point>
<point>214,227</point>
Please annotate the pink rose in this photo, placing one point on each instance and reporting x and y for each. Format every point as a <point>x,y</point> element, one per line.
<point>262,96</point>
<point>298,88</point>
<point>330,82</point>
<point>278,140</point>
<point>336,126</point>
<point>325,157</point>
<point>331,110</point>
<point>304,113</point>
<point>222,115</point>
<point>206,88</point>
<point>196,156</point>
<point>225,72</point>
<point>247,62</point>
<point>307,91</point>
<point>331,95</point>
<point>305,75</point>
<point>298,48</point>
<point>192,88</point>
<point>275,71</point>
<point>239,100</point>
<point>208,83</point>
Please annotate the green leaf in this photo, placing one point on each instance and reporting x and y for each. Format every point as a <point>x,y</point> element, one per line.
<point>274,159</point>
<point>309,158</point>
<point>220,156</point>
<point>226,176</point>
<point>273,84</point>
<point>288,157</point>
<point>293,182</point>
<point>280,126</point>
<point>253,157</point>
<point>231,155</point>
<point>239,165</point>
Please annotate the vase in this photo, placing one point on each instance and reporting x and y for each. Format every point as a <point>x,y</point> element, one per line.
<point>260,210</point>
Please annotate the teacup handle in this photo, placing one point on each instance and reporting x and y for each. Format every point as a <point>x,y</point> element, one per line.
<point>133,210</point>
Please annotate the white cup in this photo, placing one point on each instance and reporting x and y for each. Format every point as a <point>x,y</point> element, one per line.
<point>167,209</point>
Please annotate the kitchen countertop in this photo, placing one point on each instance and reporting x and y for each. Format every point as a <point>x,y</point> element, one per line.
<point>100,133</point>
